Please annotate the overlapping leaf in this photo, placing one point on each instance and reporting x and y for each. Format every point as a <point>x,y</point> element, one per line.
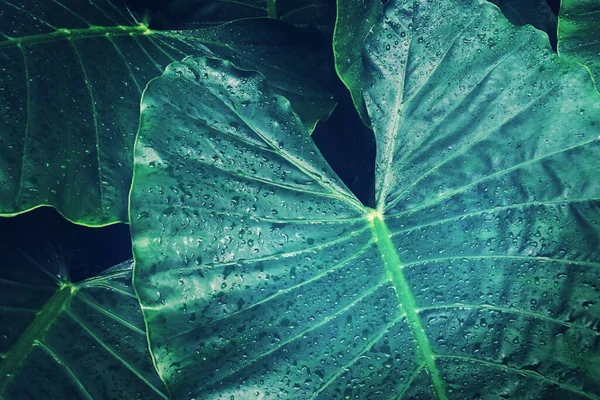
<point>72,76</point>
<point>579,33</point>
<point>356,18</point>
<point>62,340</point>
<point>534,12</point>
<point>488,148</point>
<point>475,275</point>
<point>354,22</point>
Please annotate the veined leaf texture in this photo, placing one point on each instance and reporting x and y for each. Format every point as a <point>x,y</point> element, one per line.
<point>58,339</point>
<point>73,74</point>
<point>473,277</point>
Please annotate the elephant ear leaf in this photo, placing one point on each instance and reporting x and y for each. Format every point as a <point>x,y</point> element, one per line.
<point>488,159</point>
<point>472,277</point>
<point>59,339</point>
<point>73,74</point>
<point>579,33</point>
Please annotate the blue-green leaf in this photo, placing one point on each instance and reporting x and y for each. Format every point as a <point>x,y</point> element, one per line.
<point>72,76</point>
<point>64,340</point>
<point>260,275</point>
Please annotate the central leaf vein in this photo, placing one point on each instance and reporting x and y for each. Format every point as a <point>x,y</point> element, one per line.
<point>392,263</point>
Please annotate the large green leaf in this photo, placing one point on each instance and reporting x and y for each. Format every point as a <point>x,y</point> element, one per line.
<point>72,76</point>
<point>355,19</point>
<point>579,33</point>
<point>63,340</point>
<point>260,275</point>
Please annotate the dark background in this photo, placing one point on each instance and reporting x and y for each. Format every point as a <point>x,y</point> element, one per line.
<point>44,235</point>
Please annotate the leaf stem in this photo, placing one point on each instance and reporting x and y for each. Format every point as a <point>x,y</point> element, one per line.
<point>272,8</point>
<point>76,34</point>
<point>34,333</point>
<point>392,263</point>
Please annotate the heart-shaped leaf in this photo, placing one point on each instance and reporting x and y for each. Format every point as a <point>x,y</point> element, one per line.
<point>260,275</point>
<point>72,76</point>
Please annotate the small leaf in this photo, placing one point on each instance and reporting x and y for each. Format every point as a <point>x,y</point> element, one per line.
<point>355,19</point>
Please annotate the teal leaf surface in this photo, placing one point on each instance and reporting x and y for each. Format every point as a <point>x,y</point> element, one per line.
<point>72,76</point>
<point>63,340</point>
<point>260,275</point>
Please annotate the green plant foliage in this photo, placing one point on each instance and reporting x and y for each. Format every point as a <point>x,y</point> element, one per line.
<point>579,33</point>
<point>306,12</point>
<point>355,18</point>
<point>62,340</point>
<point>73,73</point>
<point>260,275</point>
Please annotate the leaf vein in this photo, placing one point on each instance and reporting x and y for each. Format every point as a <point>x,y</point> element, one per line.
<point>456,105</point>
<point>280,292</point>
<point>324,321</point>
<point>357,357</point>
<point>86,299</point>
<point>495,174</point>
<point>511,311</point>
<point>516,257</point>
<point>526,373</point>
<point>113,353</point>
<point>461,150</point>
<point>481,212</point>
<point>69,371</point>
<point>95,119</point>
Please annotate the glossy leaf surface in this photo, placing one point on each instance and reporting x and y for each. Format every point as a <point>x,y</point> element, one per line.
<point>73,74</point>
<point>62,340</point>
<point>260,274</point>
<point>579,33</point>
<point>356,18</point>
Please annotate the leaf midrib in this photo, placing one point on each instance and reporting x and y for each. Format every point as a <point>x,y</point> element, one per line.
<point>57,305</point>
<point>76,34</point>
<point>391,261</point>
<point>406,301</point>
<point>34,332</point>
